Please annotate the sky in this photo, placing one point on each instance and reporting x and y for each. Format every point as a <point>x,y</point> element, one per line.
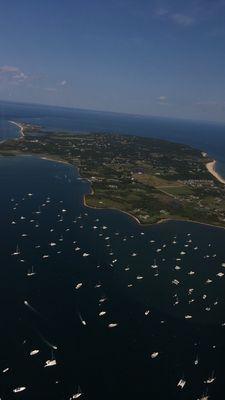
<point>151,57</point>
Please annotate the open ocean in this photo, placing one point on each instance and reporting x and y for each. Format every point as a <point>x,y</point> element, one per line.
<point>126,312</point>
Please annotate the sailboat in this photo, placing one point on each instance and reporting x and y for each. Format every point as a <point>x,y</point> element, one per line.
<point>51,362</point>
<point>177,299</point>
<point>196,360</point>
<point>77,394</point>
<point>17,252</point>
<point>82,320</point>
<point>211,379</point>
<point>19,389</point>
<point>154,265</point>
<point>31,272</point>
<point>181,383</point>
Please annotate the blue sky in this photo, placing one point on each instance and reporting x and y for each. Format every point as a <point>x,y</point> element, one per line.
<point>156,57</point>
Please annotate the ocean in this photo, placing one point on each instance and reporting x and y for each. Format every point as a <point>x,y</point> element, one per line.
<point>125,311</point>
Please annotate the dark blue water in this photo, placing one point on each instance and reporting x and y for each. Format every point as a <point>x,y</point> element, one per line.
<point>118,277</point>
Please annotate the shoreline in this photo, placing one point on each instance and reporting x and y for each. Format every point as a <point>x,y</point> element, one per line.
<point>43,157</point>
<point>161,221</point>
<point>211,167</point>
<point>114,209</point>
<point>135,219</point>
<point>20,126</point>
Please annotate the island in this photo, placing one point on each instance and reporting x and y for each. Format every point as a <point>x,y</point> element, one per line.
<point>153,180</point>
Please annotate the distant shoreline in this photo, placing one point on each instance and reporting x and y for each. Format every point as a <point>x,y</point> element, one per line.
<point>211,167</point>
<point>20,126</point>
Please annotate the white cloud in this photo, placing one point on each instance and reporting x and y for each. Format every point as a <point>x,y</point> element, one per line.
<point>161,12</point>
<point>11,74</point>
<point>182,19</point>
<point>162,98</point>
<point>63,83</point>
<point>175,17</point>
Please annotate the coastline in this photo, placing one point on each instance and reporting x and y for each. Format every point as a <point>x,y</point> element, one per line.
<point>211,167</point>
<point>43,157</point>
<point>20,126</point>
<point>161,221</point>
<point>114,209</point>
<point>136,220</point>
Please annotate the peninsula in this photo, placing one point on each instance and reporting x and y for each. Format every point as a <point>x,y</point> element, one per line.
<point>153,180</point>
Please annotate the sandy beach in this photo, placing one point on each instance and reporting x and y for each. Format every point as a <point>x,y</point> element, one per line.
<point>211,167</point>
<point>19,126</point>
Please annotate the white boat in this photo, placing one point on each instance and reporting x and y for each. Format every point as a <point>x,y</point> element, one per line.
<point>77,394</point>
<point>177,300</point>
<point>17,252</point>
<point>31,272</point>
<point>155,354</point>
<point>82,320</point>
<point>154,265</point>
<point>102,299</point>
<point>112,325</point>
<point>52,362</point>
<point>196,361</point>
<point>19,389</point>
<point>211,379</point>
<point>34,352</point>
<point>78,286</point>
<point>102,313</point>
<point>181,383</point>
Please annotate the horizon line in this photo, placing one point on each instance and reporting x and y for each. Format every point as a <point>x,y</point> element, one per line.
<point>115,112</point>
